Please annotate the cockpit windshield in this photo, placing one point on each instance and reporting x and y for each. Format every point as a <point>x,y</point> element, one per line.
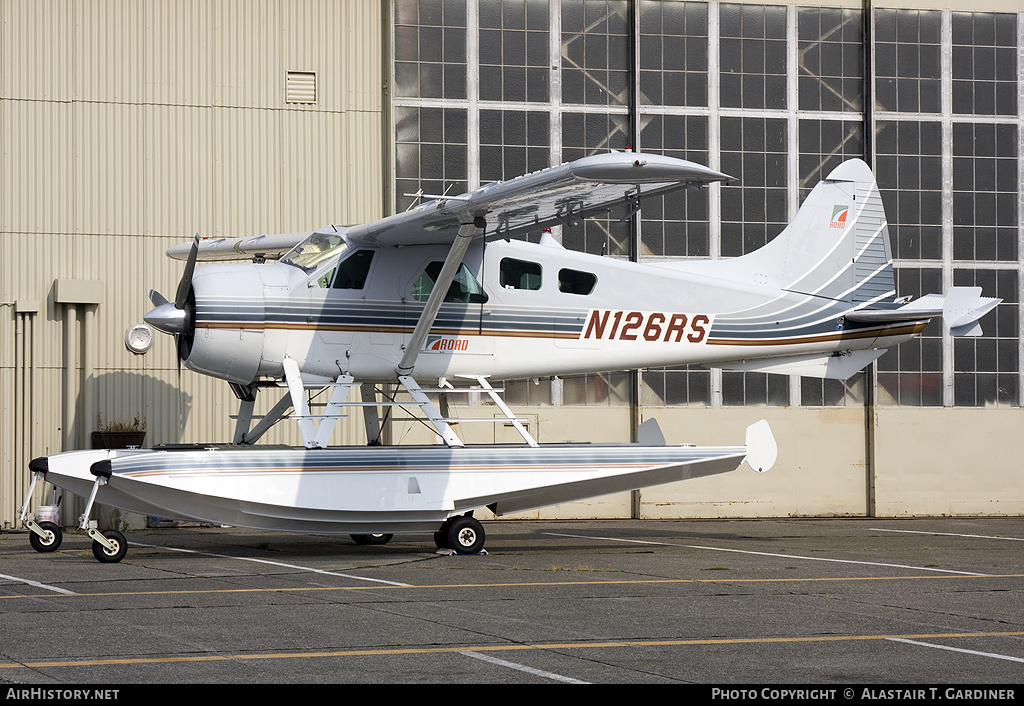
<point>314,251</point>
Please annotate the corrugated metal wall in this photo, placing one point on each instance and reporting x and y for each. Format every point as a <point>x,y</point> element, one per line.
<point>124,128</point>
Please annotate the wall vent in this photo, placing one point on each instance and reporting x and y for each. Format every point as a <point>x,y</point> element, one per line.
<point>300,87</point>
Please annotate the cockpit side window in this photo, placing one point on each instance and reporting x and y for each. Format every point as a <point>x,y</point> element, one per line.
<point>353,270</point>
<point>519,274</point>
<point>465,288</point>
<point>576,282</point>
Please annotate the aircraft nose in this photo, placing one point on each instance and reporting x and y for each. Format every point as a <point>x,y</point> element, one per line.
<point>168,318</point>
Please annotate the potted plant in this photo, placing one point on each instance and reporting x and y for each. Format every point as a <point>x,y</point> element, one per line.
<point>119,434</point>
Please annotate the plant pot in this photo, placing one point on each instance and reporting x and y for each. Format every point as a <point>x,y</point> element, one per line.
<point>117,439</point>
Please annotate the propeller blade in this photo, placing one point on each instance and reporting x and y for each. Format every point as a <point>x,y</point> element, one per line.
<point>174,317</point>
<point>186,277</point>
<point>177,355</point>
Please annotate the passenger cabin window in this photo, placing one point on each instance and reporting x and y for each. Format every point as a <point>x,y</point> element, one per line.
<point>519,274</point>
<point>352,271</point>
<point>576,282</point>
<point>465,288</point>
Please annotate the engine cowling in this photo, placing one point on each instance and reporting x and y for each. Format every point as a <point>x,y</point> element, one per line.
<point>229,321</point>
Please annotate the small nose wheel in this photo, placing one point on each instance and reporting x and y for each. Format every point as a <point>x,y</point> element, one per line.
<point>50,539</point>
<point>115,552</point>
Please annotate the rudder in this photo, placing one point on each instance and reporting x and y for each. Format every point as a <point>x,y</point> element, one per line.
<point>837,246</point>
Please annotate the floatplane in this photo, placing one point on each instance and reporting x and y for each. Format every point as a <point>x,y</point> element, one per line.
<point>446,297</point>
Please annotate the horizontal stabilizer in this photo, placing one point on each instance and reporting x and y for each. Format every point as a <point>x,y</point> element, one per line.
<point>833,367</point>
<point>961,311</point>
<point>926,307</point>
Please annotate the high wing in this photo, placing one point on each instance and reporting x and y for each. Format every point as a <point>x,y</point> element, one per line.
<point>270,247</point>
<point>552,196</point>
<point>557,195</point>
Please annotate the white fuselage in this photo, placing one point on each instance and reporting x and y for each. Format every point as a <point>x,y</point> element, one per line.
<point>250,317</point>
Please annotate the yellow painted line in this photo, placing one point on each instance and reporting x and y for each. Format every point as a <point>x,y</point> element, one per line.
<point>503,648</point>
<point>521,584</point>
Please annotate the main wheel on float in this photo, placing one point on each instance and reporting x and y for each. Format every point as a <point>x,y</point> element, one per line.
<point>113,554</point>
<point>371,538</point>
<point>465,535</point>
<point>50,542</point>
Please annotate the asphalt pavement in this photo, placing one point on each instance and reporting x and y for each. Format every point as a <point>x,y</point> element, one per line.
<point>710,602</point>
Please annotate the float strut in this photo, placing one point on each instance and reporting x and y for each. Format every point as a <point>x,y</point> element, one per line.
<point>100,469</point>
<point>29,520</point>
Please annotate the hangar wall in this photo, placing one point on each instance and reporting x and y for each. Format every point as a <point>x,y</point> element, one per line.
<point>125,127</point>
<point>926,461</point>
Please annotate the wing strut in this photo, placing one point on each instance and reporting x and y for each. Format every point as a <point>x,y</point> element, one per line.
<point>444,280</point>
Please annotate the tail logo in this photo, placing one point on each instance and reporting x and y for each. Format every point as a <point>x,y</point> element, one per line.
<point>839,214</point>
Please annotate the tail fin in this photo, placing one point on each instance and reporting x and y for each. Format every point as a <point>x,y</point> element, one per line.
<point>837,246</point>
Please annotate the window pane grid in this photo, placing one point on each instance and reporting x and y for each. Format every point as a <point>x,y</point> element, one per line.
<point>513,143</point>
<point>910,374</point>
<point>908,168</point>
<point>985,367</point>
<point>596,390</point>
<point>754,389</point>
<point>975,174</point>
<point>752,56</point>
<point>754,209</point>
<point>824,145</point>
<point>430,49</point>
<point>830,59</point>
<point>817,392</point>
<point>676,225</point>
<point>985,192</point>
<point>584,134</point>
<point>984,63</point>
<point>673,53</point>
<point>686,386</point>
<point>430,153</point>
<point>595,52</point>
<point>514,51</point>
<point>907,63</point>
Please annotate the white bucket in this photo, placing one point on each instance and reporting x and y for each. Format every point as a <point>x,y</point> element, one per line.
<point>48,513</point>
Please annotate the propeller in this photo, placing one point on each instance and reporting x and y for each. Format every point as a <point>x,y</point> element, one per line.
<point>177,318</point>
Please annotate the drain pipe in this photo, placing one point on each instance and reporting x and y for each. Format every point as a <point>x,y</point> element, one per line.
<point>870,377</point>
<point>73,293</point>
